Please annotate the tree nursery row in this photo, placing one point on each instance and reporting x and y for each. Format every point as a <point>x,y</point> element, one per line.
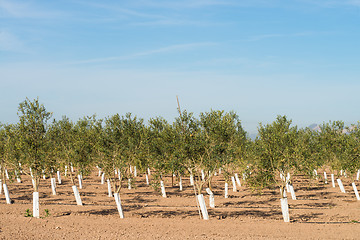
<point>214,143</point>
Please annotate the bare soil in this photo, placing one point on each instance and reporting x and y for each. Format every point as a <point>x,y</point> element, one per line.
<point>320,212</point>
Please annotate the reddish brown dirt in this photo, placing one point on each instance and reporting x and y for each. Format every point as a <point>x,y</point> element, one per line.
<point>321,212</point>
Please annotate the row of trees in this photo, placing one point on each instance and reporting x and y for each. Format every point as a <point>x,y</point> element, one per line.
<point>192,146</point>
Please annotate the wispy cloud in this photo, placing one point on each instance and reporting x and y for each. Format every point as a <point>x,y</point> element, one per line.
<point>178,22</point>
<point>168,49</point>
<point>25,10</point>
<point>354,2</point>
<point>333,3</point>
<point>10,43</point>
<point>187,3</point>
<point>191,4</point>
<point>115,8</point>
<point>283,35</point>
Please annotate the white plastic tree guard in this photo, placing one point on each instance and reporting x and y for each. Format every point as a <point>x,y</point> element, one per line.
<point>149,171</point>
<point>211,198</point>
<point>18,179</point>
<point>59,177</point>
<point>358,175</point>
<point>118,204</point>
<point>109,188</point>
<point>77,196</point>
<point>7,195</point>
<point>191,180</point>
<point>237,180</point>
<point>202,175</point>
<point>36,208</point>
<point>180,184</point>
<point>233,183</point>
<point>282,177</point>
<point>80,181</point>
<point>201,200</point>
<point>341,186</point>
<point>333,180</point>
<point>226,190</point>
<point>66,169</point>
<point>135,172</point>
<point>356,191</point>
<point>129,183</point>
<point>147,179</point>
<point>285,209</point>
<point>315,174</point>
<point>287,186</point>
<point>163,193</point>
<point>53,186</point>
<point>325,178</point>
<point>293,196</point>
<point>103,178</point>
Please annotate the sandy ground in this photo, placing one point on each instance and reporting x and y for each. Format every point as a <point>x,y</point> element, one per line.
<point>320,212</point>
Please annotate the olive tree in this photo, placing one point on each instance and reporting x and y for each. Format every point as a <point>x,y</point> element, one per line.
<point>275,156</point>
<point>33,118</point>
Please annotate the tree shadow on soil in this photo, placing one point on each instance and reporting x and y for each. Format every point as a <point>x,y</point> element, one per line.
<point>301,218</point>
<point>247,204</point>
<point>311,188</point>
<point>180,194</point>
<point>138,199</point>
<point>252,213</point>
<point>24,197</point>
<point>168,214</point>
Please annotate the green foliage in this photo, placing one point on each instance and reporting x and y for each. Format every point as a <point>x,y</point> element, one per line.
<point>84,141</point>
<point>33,119</point>
<point>275,153</point>
<point>28,213</point>
<point>47,212</point>
<point>215,139</point>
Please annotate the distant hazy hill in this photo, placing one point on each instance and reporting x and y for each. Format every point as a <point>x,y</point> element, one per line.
<point>315,127</point>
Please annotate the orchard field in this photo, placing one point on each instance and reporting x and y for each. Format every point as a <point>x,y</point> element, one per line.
<point>198,177</point>
<point>320,212</point>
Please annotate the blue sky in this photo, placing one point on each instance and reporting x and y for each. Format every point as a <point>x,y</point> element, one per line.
<point>260,58</point>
